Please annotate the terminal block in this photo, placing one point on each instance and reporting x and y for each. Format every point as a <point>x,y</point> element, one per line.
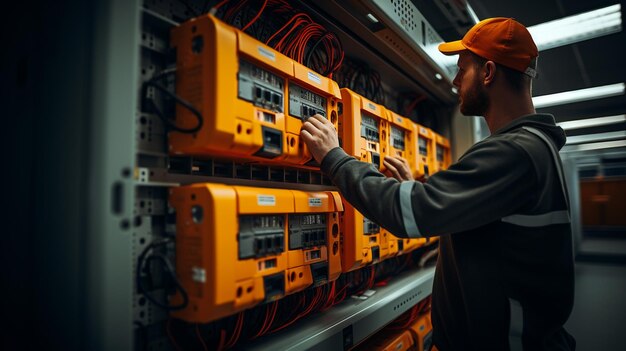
<point>232,250</point>
<point>363,128</point>
<point>253,99</point>
<point>425,152</point>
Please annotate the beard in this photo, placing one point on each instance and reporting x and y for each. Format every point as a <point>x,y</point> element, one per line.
<point>474,101</point>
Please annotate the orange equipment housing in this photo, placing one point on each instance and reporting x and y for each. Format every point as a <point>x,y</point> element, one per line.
<point>442,157</point>
<point>239,246</point>
<point>388,340</point>
<point>363,128</point>
<point>253,98</point>
<point>402,143</point>
<point>363,131</point>
<point>425,152</point>
<point>422,329</point>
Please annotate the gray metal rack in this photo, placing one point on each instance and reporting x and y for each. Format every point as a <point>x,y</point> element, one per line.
<point>355,320</point>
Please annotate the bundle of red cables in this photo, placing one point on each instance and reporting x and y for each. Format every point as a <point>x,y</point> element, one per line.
<point>284,28</point>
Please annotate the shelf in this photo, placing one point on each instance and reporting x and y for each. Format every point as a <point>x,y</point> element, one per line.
<point>351,322</point>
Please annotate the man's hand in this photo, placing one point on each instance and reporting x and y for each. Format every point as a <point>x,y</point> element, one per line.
<point>398,167</point>
<point>320,136</point>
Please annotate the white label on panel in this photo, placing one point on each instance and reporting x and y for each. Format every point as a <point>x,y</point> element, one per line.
<point>266,53</point>
<point>315,202</point>
<point>266,200</point>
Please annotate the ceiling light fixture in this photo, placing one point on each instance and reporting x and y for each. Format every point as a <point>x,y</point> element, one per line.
<point>592,138</point>
<point>372,18</point>
<point>569,97</point>
<point>573,29</point>
<point>594,146</point>
<point>592,122</point>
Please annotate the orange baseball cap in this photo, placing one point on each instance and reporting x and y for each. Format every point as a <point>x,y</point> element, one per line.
<point>501,40</point>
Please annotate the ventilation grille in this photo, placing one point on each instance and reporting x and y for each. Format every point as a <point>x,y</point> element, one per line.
<point>406,12</point>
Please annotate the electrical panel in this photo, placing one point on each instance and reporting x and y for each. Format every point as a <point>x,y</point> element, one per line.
<point>276,239</point>
<point>234,248</point>
<point>443,158</point>
<point>425,151</point>
<point>253,99</point>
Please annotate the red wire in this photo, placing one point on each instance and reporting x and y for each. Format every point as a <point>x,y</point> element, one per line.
<point>220,346</point>
<point>200,338</point>
<point>220,4</point>
<point>169,334</point>
<point>282,28</point>
<point>260,332</point>
<point>331,296</point>
<point>275,309</point>
<point>256,17</point>
<point>236,332</point>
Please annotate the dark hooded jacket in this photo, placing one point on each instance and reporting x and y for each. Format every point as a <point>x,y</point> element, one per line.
<point>501,214</point>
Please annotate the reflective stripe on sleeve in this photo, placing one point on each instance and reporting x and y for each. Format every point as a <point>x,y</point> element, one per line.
<point>406,207</point>
<point>542,220</point>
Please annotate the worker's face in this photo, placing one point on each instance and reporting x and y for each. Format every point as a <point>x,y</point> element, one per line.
<point>473,98</point>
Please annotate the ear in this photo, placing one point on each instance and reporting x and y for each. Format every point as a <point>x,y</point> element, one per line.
<point>490,72</point>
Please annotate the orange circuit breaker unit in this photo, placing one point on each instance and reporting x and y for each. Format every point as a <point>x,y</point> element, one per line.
<point>389,340</point>
<point>239,246</point>
<point>402,141</point>
<point>253,99</point>
<point>422,330</point>
<point>443,158</point>
<point>314,237</point>
<point>363,130</point>
<point>425,151</point>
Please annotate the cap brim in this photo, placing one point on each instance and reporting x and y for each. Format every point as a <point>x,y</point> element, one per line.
<point>451,48</point>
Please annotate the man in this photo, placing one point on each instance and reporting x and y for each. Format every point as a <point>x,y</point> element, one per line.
<point>501,210</point>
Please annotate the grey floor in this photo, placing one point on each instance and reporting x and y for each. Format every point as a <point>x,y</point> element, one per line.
<point>598,321</point>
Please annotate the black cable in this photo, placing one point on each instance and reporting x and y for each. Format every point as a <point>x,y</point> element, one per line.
<point>169,269</point>
<point>168,122</point>
<point>318,42</point>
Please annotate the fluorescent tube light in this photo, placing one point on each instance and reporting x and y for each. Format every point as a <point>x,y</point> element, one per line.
<point>471,13</point>
<point>372,18</point>
<point>573,29</point>
<point>592,122</point>
<point>563,31</point>
<point>590,138</point>
<point>594,146</point>
<point>568,97</point>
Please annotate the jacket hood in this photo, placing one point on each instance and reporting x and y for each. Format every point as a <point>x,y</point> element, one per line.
<point>542,121</point>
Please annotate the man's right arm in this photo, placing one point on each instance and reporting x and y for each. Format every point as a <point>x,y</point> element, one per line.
<point>493,180</point>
